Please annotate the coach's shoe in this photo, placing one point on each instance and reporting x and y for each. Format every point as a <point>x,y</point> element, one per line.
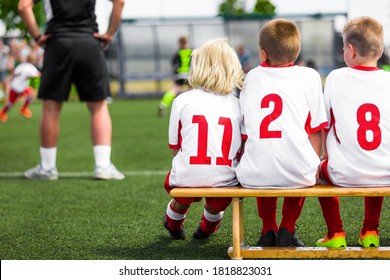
<point>25,112</point>
<point>39,173</point>
<point>108,173</point>
<point>369,239</point>
<point>267,239</point>
<point>3,117</point>
<point>199,234</point>
<point>286,239</point>
<point>336,242</point>
<point>175,235</point>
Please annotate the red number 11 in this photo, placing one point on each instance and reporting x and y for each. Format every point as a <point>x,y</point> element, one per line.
<point>201,157</point>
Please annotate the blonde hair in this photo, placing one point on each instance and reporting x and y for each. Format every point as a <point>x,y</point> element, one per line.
<point>215,67</point>
<point>281,40</point>
<point>366,35</point>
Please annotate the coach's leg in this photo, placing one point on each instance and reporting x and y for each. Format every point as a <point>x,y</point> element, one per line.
<point>49,131</point>
<point>101,133</point>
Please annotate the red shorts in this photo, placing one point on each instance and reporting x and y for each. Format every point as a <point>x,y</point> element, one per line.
<point>13,95</point>
<point>217,203</point>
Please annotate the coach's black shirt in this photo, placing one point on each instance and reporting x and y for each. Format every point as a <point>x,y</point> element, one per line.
<point>65,16</point>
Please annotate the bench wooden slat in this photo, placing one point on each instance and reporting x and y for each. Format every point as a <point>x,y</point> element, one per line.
<point>320,190</point>
<point>240,251</point>
<point>311,253</point>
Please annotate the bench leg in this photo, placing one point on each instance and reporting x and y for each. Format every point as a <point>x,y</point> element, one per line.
<point>237,227</point>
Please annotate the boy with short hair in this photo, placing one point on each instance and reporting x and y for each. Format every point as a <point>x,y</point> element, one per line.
<point>357,148</point>
<point>283,111</point>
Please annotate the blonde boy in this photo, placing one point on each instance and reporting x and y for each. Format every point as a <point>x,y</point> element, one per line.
<point>204,135</point>
<point>357,149</point>
<point>283,112</point>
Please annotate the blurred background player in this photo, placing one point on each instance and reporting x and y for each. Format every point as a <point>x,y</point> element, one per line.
<point>201,119</point>
<point>180,67</point>
<point>19,88</point>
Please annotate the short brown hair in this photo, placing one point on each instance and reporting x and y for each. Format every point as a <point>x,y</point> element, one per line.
<point>281,39</point>
<point>366,35</point>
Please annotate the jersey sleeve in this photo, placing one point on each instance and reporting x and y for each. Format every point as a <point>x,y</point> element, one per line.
<point>318,117</point>
<point>174,132</point>
<point>328,107</point>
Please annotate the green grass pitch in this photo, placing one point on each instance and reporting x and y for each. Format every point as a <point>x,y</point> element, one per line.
<point>79,218</point>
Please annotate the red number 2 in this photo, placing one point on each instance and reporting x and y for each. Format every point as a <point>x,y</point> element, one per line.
<point>201,157</point>
<point>277,111</point>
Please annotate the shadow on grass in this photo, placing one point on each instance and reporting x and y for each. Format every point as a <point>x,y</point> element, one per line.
<point>167,249</point>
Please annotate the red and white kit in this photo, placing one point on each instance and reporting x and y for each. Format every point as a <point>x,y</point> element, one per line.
<point>359,152</point>
<point>206,128</point>
<point>22,73</point>
<point>281,106</point>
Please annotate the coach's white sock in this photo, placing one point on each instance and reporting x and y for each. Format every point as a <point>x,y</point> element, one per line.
<point>102,155</point>
<point>48,157</point>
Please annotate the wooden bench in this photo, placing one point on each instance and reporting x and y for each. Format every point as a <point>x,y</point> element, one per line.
<point>239,250</point>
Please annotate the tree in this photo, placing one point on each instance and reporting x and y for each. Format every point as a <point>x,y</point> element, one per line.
<point>10,16</point>
<point>236,8</point>
<point>264,8</point>
<point>232,8</point>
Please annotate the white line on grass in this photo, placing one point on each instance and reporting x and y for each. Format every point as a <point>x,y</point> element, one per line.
<point>87,174</point>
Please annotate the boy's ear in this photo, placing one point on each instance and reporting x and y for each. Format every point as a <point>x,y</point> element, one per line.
<point>352,50</point>
<point>263,55</point>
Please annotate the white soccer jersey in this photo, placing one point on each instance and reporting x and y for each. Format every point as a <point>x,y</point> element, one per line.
<point>206,129</point>
<point>280,107</point>
<point>357,102</point>
<point>22,73</point>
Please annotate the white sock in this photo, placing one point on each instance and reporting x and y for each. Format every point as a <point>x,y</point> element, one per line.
<point>102,155</point>
<point>213,218</point>
<point>48,157</point>
<point>174,215</point>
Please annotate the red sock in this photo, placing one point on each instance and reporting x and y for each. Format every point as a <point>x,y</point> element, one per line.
<point>292,208</point>
<point>266,208</point>
<point>331,211</point>
<point>175,218</point>
<point>372,213</point>
<point>209,227</point>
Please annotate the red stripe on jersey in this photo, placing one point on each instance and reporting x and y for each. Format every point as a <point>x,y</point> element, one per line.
<point>179,137</point>
<point>333,123</point>
<point>309,130</point>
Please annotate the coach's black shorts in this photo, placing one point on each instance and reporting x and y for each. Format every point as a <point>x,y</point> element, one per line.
<point>74,58</point>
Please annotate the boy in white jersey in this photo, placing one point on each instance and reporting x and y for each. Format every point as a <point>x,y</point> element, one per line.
<point>357,148</point>
<point>204,135</point>
<point>19,88</point>
<point>283,111</point>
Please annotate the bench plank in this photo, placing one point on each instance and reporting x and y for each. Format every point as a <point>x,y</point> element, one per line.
<point>240,251</point>
<point>311,253</point>
<point>319,190</point>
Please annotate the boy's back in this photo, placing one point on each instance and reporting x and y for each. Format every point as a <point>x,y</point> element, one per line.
<point>358,144</point>
<point>281,106</point>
